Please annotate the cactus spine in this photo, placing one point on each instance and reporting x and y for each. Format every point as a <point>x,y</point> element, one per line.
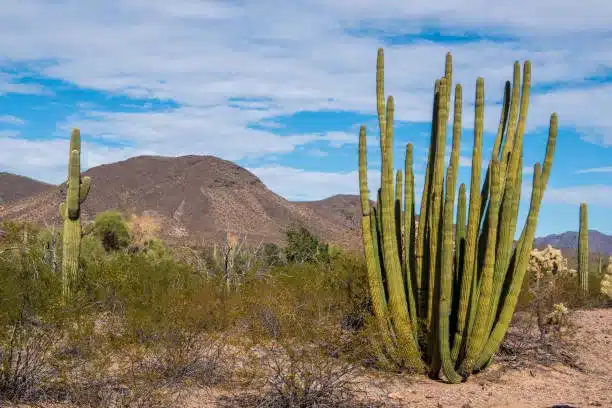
<point>70,211</point>
<point>444,304</point>
<point>583,249</point>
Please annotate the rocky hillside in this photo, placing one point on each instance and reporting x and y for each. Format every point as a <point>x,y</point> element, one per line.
<point>14,188</point>
<point>196,199</point>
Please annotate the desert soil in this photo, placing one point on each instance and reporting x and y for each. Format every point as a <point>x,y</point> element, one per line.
<point>525,382</point>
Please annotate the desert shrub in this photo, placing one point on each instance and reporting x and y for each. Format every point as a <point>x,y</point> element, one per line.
<point>306,378</point>
<point>112,230</point>
<point>189,358</point>
<point>140,326</point>
<point>303,247</point>
<point>31,325</point>
<point>273,255</point>
<point>24,363</point>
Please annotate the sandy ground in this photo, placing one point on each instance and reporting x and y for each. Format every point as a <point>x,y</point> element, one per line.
<point>529,384</point>
<point>584,379</point>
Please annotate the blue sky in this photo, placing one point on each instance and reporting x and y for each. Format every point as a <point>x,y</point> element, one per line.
<point>281,87</point>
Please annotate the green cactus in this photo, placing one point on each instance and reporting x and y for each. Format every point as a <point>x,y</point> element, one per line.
<point>70,211</point>
<point>443,297</point>
<point>600,266</point>
<point>583,249</point>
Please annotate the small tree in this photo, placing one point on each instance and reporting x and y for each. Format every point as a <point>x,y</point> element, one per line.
<point>272,255</point>
<point>303,247</point>
<point>112,231</point>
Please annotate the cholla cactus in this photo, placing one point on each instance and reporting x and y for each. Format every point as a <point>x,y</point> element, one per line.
<point>548,261</point>
<point>606,280</point>
<point>558,316</point>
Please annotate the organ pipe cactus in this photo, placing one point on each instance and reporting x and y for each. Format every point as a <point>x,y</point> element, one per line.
<point>70,210</point>
<point>583,249</point>
<point>443,295</point>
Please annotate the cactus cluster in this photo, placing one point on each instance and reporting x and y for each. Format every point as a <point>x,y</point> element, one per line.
<point>442,296</point>
<point>548,261</point>
<point>583,249</point>
<point>70,210</point>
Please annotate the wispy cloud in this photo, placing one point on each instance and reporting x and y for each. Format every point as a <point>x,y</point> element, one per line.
<point>599,195</point>
<point>11,120</point>
<point>607,169</point>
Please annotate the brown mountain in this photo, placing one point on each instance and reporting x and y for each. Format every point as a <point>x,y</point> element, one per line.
<point>13,187</point>
<point>197,199</point>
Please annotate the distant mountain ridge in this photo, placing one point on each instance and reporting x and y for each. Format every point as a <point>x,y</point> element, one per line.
<point>598,242</point>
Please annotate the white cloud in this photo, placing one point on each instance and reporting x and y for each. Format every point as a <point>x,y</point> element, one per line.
<point>9,84</point>
<point>598,195</point>
<point>11,120</point>
<point>47,160</point>
<point>306,185</point>
<point>596,170</point>
<point>302,185</point>
<point>230,65</point>
<point>5,133</point>
<point>317,153</point>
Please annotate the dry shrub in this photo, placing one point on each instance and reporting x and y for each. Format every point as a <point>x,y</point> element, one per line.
<point>541,331</point>
<point>523,345</point>
<point>190,359</point>
<point>305,378</point>
<point>298,376</point>
<point>143,228</point>
<point>154,375</point>
<point>25,367</point>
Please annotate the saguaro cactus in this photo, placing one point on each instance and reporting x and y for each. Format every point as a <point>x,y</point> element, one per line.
<point>70,210</point>
<point>442,296</point>
<point>583,249</point>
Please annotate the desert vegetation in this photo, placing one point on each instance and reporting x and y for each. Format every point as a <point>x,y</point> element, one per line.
<point>105,313</point>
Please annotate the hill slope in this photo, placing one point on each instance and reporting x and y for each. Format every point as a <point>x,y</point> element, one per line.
<point>196,199</point>
<point>14,187</point>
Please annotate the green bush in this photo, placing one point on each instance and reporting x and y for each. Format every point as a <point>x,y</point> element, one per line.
<point>303,247</point>
<point>112,230</point>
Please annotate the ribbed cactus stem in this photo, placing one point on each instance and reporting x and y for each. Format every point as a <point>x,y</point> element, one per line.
<point>479,333</point>
<point>583,249</point>
<point>70,211</point>
<point>518,268</point>
<point>409,264</point>
<point>391,259</point>
<point>473,225</point>
<point>421,255</point>
<point>600,266</point>
<point>446,278</point>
